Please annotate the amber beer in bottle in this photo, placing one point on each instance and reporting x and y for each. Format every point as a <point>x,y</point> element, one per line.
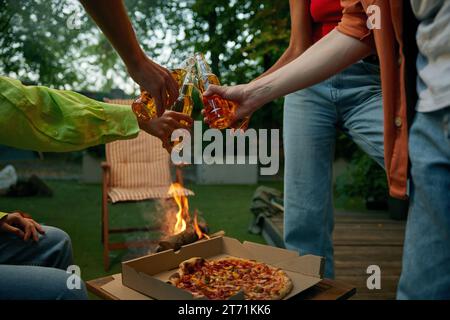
<point>185,103</point>
<point>144,106</point>
<point>218,111</point>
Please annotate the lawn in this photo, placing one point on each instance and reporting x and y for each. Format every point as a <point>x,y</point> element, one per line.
<point>76,209</point>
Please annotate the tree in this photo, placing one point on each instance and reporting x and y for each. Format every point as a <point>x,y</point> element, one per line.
<point>33,45</point>
<point>55,43</point>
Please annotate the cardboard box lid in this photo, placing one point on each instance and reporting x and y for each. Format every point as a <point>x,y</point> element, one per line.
<point>149,273</point>
<point>118,290</point>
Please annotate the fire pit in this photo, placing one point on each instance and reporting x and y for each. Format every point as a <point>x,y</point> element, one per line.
<point>185,229</point>
<point>147,276</point>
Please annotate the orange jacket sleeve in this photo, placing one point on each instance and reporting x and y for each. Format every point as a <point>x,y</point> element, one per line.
<point>354,22</point>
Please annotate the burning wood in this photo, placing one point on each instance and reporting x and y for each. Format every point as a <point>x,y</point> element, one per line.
<point>180,239</point>
<point>185,230</point>
<point>189,235</point>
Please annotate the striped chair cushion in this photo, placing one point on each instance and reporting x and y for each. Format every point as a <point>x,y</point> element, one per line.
<point>139,168</point>
<point>137,194</point>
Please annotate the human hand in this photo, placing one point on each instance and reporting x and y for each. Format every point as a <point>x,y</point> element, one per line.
<point>21,226</point>
<point>156,80</point>
<point>247,102</point>
<point>163,126</point>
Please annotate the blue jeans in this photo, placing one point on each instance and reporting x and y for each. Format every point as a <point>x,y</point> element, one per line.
<point>30,270</point>
<point>426,254</point>
<point>350,101</point>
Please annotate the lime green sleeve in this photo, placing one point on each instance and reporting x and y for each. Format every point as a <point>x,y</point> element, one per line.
<point>44,119</point>
<point>2,215</point>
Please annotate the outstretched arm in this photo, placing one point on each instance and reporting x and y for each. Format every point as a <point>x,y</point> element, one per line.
<point>44,119</point>
<point>326,58</point>
<point>347,44</point>
<point>111,17</point>
<point>331,54</point>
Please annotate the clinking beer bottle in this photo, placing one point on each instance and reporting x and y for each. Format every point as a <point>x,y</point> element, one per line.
<point>144,106</point>
<point>185,103</point>
<point>218,111</point>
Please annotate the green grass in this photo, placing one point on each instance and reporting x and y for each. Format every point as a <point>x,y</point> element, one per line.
<point>76,208</point>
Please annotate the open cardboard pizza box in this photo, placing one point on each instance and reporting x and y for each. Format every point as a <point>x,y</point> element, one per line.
<point>148,275</point>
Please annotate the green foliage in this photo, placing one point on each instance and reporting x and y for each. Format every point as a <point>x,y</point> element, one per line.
<point>364,178</point>
<point>39,45</point>
<point>37,51</point>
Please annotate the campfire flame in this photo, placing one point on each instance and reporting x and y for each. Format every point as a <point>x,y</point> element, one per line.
<point>183,217</point>
<point>198,231</point>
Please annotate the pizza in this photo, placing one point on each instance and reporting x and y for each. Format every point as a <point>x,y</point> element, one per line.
<point>223,278</point>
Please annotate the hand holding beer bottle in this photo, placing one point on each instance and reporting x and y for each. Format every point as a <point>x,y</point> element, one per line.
<point>240,97</point>
<point>219,112</point>
<point>145,106</point>
<point>157,81</point>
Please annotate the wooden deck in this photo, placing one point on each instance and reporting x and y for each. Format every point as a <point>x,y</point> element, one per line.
<point>361,240</point>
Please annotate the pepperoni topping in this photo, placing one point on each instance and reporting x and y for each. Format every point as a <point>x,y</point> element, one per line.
<point>224,278</point>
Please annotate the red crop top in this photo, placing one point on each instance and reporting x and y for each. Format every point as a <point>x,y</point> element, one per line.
<point>326,15</point>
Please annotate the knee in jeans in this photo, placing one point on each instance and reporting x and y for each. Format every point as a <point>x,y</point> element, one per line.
<point>58,246</point>
<point>69,289</point>
<point>75,294</point>
<point>57,237</point>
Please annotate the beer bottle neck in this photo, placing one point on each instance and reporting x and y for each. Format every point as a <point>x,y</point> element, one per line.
<point>202,66</point>
<point>188,83</point>
<point>203,69</point>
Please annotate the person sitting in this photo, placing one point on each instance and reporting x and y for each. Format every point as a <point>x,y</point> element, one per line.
<point>34,260</point>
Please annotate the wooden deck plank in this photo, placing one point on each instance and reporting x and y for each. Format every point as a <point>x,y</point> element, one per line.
<point>363,239</point>
<point>375,251</point>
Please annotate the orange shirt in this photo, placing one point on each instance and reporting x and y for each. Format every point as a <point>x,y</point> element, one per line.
<point>388,42</point>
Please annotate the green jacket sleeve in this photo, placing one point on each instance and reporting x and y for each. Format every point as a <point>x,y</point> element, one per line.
<point>2,215</point>
<point>44,119</point>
